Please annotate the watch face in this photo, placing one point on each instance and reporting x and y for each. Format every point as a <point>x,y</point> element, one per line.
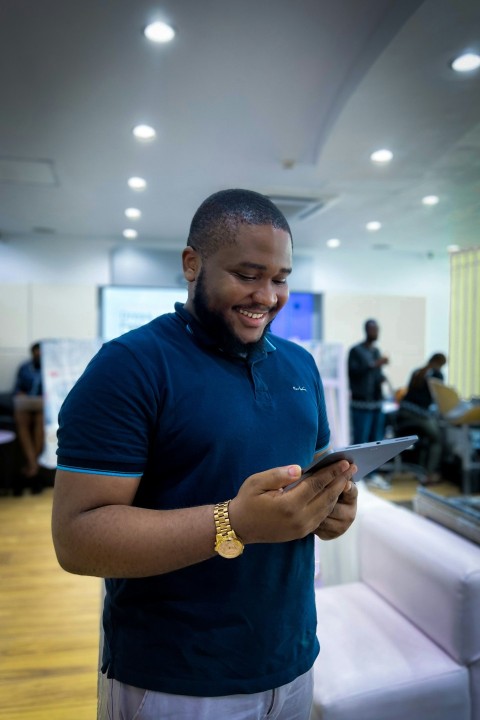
<point>230,548</point>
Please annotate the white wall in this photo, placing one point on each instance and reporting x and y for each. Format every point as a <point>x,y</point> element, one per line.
<point>48,288</point>
<point>32,312</point>
<point>402,329</point>
<point>408,294</point>
<point>382,272</point>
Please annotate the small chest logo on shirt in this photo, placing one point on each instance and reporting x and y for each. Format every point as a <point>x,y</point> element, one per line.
<point>299,388</point>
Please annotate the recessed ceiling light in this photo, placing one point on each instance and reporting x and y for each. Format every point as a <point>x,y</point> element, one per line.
<point>159,32</point>
<point>137,183</point>
<point>453,248</point>
<point>466,62</point>
<point>144,132</point>
<point>133,213</point>
<point>130,234</point>
<point>333,243</point>
<point>430,200</point>
<point>373,225</point>
<point>381,156</point>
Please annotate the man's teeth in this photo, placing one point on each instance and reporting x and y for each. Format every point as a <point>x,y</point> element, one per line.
<point>255,316</point>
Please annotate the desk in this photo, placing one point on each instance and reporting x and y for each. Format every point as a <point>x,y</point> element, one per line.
<point>7,438</point>
<point>460,514</point>
<point>461,420</point>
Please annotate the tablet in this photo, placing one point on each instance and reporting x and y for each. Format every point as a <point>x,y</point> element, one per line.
<point>366,456</point>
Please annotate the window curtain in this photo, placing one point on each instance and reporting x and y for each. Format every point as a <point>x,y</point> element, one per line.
<point>464,343</point>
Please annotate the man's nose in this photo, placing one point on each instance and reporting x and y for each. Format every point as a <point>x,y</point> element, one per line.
<point>266,294</point>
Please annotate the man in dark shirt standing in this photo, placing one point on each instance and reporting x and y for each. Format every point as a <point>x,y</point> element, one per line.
<point>366,377</point>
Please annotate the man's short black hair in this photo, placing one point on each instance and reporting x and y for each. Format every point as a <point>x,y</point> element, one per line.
<point>438,358</point>
<point>369,322</point>
<point>217,219</point>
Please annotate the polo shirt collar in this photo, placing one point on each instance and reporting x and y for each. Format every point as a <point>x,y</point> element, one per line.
<point>202,335</point>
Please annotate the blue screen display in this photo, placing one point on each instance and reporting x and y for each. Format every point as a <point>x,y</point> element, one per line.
<point>297,318</point>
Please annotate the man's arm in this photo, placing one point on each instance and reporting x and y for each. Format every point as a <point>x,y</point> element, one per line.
<point>20,381</point>
<point>97,531</point>
<point>419,376</point>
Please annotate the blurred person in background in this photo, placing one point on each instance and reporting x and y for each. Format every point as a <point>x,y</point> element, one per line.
<point>417,412</point>
<point>365,363</point>
<point>365,375</point>
<point>28,413</point>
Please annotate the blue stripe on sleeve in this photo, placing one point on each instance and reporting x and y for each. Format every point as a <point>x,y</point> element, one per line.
<point>93,471</point>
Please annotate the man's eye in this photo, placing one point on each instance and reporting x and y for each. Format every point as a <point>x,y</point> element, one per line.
<point>245,277</point>
<point>283,281</point>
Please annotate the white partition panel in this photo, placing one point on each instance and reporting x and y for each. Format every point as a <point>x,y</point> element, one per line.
<point>63,361</point>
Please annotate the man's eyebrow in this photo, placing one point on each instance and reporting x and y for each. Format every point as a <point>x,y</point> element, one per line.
<point>258,266</point>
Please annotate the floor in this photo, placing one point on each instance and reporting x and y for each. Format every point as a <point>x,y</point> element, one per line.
<point>404,487</point>
<point>49,621</point>
<point>404,484</point>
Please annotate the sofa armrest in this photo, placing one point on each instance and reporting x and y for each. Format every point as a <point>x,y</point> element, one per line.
<point>428,573</point>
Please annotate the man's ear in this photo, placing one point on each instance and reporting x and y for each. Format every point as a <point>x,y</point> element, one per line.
<point>191,264</point>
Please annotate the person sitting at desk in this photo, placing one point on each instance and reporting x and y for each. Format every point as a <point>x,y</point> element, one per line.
<point>415,412</point>
<point>28,410</point>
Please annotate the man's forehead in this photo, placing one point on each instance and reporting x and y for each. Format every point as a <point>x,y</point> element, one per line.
<point>258,243</point>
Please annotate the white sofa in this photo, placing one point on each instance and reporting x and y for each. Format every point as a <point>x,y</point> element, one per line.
<point>403,641</point>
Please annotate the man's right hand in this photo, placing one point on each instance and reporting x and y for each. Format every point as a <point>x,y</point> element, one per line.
<point>265,510</point>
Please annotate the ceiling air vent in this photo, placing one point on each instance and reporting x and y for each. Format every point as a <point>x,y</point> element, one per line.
<point>299,207</point>
<point>42,230</point>
<point>27,171</point>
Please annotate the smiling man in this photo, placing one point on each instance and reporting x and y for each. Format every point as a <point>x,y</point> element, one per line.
<point>176,450</point>
<point>238,286</point>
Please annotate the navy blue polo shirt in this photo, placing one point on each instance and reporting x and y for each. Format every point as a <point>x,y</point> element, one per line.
<point>163,402</point>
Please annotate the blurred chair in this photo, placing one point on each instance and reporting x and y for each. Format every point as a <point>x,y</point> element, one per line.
<point>461,420</point>
<point>411,461</point>
<point>445,396</point>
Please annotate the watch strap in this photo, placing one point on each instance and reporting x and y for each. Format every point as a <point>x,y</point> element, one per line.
<point>222,519</point>
<point>227,543</point>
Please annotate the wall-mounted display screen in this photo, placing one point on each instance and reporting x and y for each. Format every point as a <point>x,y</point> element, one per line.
<point>123,308</point>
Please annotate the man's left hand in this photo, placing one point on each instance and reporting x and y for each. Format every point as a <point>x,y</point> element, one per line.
<point>342,515</point>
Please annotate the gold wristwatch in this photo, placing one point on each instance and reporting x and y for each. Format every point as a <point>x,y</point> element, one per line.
<point>227,544</point>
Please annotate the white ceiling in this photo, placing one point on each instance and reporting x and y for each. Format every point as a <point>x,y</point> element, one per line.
<point>287,97</point>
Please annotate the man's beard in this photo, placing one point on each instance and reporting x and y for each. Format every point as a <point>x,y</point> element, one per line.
<point>216,325</point>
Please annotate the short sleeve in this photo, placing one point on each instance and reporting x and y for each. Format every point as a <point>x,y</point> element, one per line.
<point>106,421</point>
